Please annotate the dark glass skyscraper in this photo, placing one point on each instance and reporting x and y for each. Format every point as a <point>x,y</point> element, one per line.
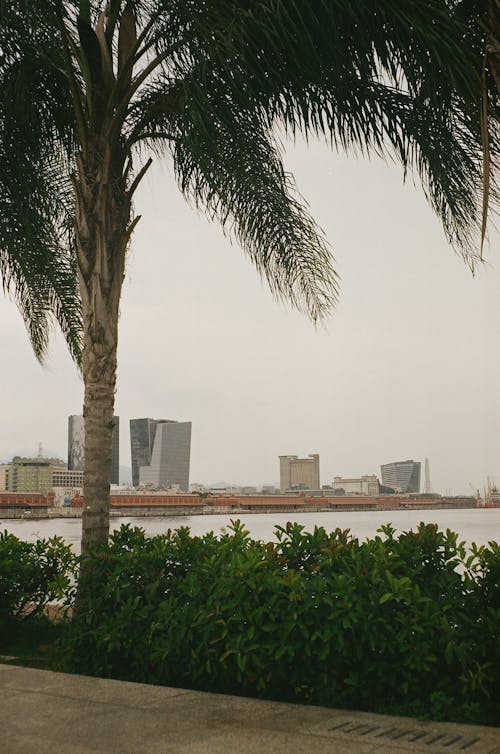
<point>160,450</point>
<point>402,476</point>
<point>142,437</point>
<point>114,476</point>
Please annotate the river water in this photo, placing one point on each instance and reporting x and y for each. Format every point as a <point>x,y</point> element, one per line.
<point>472,525</point>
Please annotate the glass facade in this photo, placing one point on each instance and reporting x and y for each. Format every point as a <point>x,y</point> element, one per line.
<point>142,435</point>
<point>114,476</point>
<point>161,450</point>
<point>402,476</point>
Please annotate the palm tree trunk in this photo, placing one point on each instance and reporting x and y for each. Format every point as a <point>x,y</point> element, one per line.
<point>99,375</point>
<point>103,228</point>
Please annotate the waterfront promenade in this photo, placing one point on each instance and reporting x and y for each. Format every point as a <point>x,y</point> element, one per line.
<point>56,713</point>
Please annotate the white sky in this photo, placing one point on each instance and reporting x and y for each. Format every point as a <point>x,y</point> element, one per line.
<point>407,367</point>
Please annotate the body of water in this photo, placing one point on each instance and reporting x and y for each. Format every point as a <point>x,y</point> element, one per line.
<point>473,525</point>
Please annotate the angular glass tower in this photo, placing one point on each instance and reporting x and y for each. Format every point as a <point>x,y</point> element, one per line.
<point>402,476</point>
<point>142,436</point>
<point>160,450</point>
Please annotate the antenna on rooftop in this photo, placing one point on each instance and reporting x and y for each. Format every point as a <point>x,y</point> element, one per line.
<point>40,450</point>
<point>427,485</point>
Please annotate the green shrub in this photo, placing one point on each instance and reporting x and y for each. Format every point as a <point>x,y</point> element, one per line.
<point>408,622</point>
<point>32,574</point>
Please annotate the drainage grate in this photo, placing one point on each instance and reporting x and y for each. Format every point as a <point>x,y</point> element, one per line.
<point>452,742</point>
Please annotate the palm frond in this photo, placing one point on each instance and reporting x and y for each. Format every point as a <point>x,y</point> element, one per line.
<point>236,173</point>
<point>400,78</point>
<point>36,142</point>
<point>36,262</point>
<point>211,81</point>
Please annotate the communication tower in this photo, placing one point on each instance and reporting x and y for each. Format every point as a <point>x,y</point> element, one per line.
<point>427,485</point>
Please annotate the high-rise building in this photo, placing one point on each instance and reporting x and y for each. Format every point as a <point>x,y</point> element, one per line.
<point>299,473</point>
<point>142,436</point>
<point>402,476</point>
<point>160,450</point>
<point>76,443</point>
<point>76,447</point>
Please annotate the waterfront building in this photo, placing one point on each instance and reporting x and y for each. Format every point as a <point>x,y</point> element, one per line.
<point>198,488</point>
<point>76,447</point>
<point>67,477</point>
<point>401,476</point>
<point>161,450</point>
<point>142,435</point>
<point>224,489</point>
<point>33,474</point>
<point>62,496</point>
<point>365,485</point>
<point>299,473</point>
<point>4,476</point>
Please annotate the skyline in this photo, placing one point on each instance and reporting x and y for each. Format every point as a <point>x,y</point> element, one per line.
<point>407,366</point>
<point>130,470</point>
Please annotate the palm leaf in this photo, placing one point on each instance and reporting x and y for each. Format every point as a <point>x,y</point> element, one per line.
<point>370,76</point>
<point>236,173</point>
<point>36,140</point>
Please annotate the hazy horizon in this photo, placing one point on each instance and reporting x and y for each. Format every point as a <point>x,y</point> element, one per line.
<point>406,367</point>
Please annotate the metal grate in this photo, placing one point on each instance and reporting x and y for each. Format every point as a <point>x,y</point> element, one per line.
<point>452,742</point>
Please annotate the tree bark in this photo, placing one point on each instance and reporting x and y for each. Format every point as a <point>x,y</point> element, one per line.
<point>103,228</point>
<point>99,373</point>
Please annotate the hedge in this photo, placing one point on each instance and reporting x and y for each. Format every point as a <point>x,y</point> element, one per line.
<point>33,574</point>
<point>407,623</point>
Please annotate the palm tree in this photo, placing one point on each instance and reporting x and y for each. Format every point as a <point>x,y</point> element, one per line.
<point>92,90</point>
<point>40,275</point>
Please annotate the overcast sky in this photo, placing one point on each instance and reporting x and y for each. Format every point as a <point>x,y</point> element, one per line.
<point>407,367</point>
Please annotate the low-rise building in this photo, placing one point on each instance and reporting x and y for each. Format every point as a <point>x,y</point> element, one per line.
<point>30,475</point>
<point>40,475</point>
<point>62,496</point>
<point>269,489</point>
<point>198,488</point>
<point>229,489</point>
<point>67,478</point>
<point>367,485</point>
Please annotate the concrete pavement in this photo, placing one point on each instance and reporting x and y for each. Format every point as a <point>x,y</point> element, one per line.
<point>42,712</point>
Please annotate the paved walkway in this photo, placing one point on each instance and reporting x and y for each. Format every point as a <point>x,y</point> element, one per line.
<point>54,713</point>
